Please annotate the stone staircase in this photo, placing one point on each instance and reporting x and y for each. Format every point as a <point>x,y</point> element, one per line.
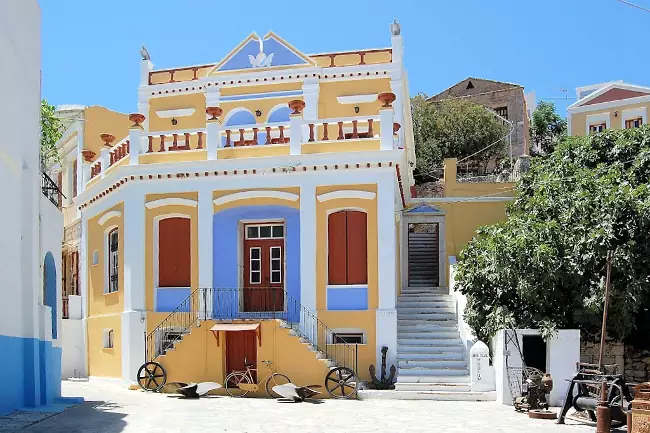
<point>431,359</point>
<point>423,260</point>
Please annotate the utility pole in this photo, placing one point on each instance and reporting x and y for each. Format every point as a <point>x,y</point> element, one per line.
<point>603,331</point>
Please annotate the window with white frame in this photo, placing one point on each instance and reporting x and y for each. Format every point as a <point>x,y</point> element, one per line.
<point>598,127</point>
<point>347,337</point>
<point>113,261</point>
<point>108,337</point>
<point>256,265</point>
<point>276,264</point>
<point>633,123</point>
<point>265,231</point>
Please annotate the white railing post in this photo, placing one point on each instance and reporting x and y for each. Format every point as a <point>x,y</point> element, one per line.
<point>213,131</point>
<point>386,117</point>
<point>136,133</point>
<point>295,126</point>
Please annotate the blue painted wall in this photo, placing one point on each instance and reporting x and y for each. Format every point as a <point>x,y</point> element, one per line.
<point>167,299</point>
<point>346,299</point>
<point>49,289</point>
<point>280,114</point>
<point>227,250</point>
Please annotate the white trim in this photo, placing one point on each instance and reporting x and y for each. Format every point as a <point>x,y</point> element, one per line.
<point>364,335</point>
<point>108,215</point>
<point>356,99</point>
<point>172,201</point>
<point>604,89</point>
<point>280,195</point>
<point>156,251</point>
<point>107,253</point>
<point>347,193</point>
<point>597,119</point>
<point>609,105</point>
<point>179,112</point>
<point>271,265</point>
<point>250,264</point>
<point>634,113</point>
<point>459,200</point>
<point>232,113</point>
<point>347,286</point>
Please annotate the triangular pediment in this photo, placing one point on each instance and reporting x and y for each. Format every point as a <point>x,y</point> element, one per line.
<point>616,91</point>
<point>472,86</point>
<point>423,208</point>
<point>267,52</point>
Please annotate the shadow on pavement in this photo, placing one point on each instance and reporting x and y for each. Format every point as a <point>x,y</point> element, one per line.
<point>90,416</point>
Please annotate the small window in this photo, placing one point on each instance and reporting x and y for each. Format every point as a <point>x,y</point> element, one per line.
<point>276,265</point>
<point>348,338</point>
<point>255,276</point>
<point>633,123</point>
<point>502,111</point>
<point>113,262</point>
<point>109,338</point>
<point>469,85</point>
<point>252,232</point>
<point>278,231</point>
<point>265,231</point>
<point>600,127</point>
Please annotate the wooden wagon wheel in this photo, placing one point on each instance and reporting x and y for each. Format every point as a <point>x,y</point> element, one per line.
<point>341,382</point>
<point>152,376</point>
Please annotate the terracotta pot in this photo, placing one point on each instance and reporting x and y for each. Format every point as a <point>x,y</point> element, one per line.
<point>88,155</point>
<point>107,139</point>
<point>547,383</point>
<point>297,106</point>
<point>136,118</point>
<point>214,112</point>
<point>396,127</point>
<point>387,98</point>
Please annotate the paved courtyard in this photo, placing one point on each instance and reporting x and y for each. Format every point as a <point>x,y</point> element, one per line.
<point>110,408</point>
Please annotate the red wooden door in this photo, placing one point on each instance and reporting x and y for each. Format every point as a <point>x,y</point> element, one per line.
<point>174,253</point>
<point>347,258</point>
<point>241,348</point>
<point>263,275</point>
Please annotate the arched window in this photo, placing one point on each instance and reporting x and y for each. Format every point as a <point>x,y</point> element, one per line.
<point>279,114</point>
<point>113,261</point>
<point>174,252</point>
<point>347,248</point>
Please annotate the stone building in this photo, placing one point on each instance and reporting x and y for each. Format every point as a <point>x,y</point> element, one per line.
<point>506,99</point>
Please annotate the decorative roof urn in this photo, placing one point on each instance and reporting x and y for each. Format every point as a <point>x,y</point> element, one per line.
<point>215,112</point>
<point>396,127</point>
<point>88,155</point>
<point>137,119</point>
<point>108,139</point>
<point>297,106</point>
<point>387,98</point>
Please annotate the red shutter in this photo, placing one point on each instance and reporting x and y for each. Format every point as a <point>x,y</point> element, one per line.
<point>76,274</point>
<point>74,179</point>
<point>337,249</point>
<point>357,246</point>
<point>59,184</point>
<point>174,253</point>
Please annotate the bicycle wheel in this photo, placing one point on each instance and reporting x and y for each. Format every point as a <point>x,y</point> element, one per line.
<point>275,380</point>
<point>232,383</point>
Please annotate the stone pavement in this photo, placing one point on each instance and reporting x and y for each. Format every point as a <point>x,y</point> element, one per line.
<point>110,408</point>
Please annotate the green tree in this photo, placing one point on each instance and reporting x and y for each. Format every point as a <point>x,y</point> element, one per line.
<point>544,267</point>
<point>547,128</point>
<point>454,128</point>
<point>51,131</point>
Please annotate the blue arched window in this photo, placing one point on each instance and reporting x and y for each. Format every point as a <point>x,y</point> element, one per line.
<point>49,289</point>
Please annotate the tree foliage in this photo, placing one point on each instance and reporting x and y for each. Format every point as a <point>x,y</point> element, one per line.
<point>547,128</point>
<point>51,131</point>
<point>454,128</point>
<point>544,267</point>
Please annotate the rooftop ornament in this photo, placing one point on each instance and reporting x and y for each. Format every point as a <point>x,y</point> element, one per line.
<point>395,28</point>
<point>215,112</point>
<point>88,155</point>
<point>145,53</point>
<point>387,98</point>
<point>297,106</point>
<point>108,139</point>
<point>137,119</point>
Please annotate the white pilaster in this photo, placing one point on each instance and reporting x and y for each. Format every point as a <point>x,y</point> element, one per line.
<point>386,313</point>
<point>213,137</point>
<point>397,87</point>
<point>135,145</point>
<point>84,263</point>
<point>133,317</point>
<point>105,158</point>
<point>386,117</point>
<point>212,97</point>
<point>308,246</point>
<point>310,94</point>
<point>143,106</point>
<point>206,213</point>
<point>295,134</point>
<point>145,67</point>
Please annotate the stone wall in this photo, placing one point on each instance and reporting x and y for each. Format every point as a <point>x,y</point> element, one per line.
<point>635,363</point>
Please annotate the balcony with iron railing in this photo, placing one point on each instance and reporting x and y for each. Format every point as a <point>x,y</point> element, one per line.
<point>50,189</point>
<point>296,137</point>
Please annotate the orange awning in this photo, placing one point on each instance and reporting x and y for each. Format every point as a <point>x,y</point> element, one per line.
<point>237,327</point>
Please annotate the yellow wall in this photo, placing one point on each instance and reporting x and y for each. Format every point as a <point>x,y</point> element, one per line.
<point>195,121</point>
<point>104,362</point>
<point>328,105</point>
<point>322,208</point>
<point>100,303</point>
<point>267,201</point>
<point>252,151</point>
<point>579,120</point>
<point>99,120</point>
<point>151,215</point>
<point>156,157</point>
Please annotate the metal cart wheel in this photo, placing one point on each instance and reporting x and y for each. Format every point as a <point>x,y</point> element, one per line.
<point>274,380</point>
<point>341,382</point>
<point>152,376</point>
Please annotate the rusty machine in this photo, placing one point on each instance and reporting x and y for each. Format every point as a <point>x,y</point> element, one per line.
<point>536,386</point>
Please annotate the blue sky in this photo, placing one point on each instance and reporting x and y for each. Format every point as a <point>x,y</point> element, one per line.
<point>90,48</point>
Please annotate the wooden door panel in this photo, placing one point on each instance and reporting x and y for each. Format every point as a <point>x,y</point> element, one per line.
<point>241,347</point>
<point>174,253</point>
<point>264,295</point>
<point>337,248</point>
<point>357,243</point>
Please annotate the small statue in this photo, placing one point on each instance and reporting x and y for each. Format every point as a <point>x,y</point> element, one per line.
<point>395,29</point>
<point>384,383</point>
<point>145,53</point>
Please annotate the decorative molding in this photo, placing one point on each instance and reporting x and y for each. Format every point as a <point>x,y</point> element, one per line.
<point>280,195</point>
<point>347,193</point>
<point>356,99</point>
<point>179,112</point>
<point>109,215</point>
<point>172,201</point>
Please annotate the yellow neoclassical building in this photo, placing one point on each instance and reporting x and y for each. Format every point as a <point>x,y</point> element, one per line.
<point>260,211</point>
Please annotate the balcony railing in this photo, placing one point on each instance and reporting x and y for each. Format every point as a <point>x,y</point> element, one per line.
<point>51,190</point>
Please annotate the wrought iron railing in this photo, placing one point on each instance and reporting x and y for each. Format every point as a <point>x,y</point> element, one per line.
<point>51,190</point>
<point>249,304</point>
<point>66,307</point>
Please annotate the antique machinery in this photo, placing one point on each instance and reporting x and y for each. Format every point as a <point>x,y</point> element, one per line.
<point>537,386</point>
<point>584,393</point>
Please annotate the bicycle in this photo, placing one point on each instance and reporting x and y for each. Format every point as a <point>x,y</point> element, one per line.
<point>240,383</point>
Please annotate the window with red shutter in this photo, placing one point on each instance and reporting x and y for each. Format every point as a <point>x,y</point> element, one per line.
<point>347,233</point>
<point>59,185</point>
<point>74,179</point>
<point>174,252</point>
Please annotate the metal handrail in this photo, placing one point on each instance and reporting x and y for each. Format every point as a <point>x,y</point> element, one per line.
<point>249,304</point>
<point>50,189</point>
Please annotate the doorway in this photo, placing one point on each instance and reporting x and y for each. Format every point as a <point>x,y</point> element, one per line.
<point>263,267</point>
<point>241,349</point>
<point>423,255</point>
<point>534,352</point>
